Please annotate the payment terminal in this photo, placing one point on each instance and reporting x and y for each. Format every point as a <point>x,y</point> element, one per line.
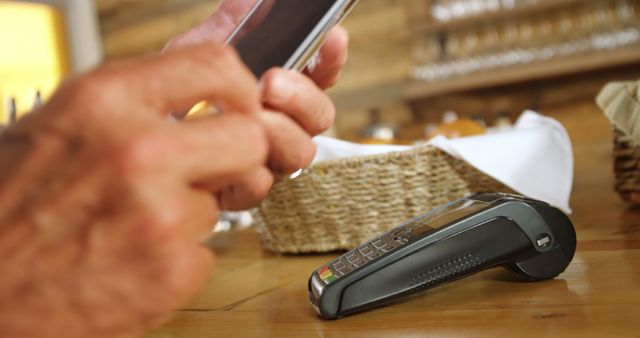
<point>476,233</point>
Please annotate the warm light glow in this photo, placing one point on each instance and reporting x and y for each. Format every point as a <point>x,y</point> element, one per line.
<point>34,52</point>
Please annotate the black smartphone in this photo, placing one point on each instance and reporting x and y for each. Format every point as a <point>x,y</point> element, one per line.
<point>286,33</point>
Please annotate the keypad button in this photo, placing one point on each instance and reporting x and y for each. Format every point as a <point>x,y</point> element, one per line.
<point>380,245</point>
<point>345,271</point>
<point>356,258</point>
<point>364,254</point>
<point>365,250</point>
<point>341,267</point>
<point>388,243</point>
<point>370,252</point>
<point>402,236</point>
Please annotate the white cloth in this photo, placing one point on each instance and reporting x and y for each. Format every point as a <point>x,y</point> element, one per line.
<point>534,158</point>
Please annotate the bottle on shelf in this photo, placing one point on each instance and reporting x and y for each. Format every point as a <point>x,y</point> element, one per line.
<point>12,110</point>
<point>502,122</point>
<point>453,126</point>
<point>378,132</point>
<point>37,100</point>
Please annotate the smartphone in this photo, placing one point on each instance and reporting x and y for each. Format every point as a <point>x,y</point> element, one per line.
<point>286,33</point>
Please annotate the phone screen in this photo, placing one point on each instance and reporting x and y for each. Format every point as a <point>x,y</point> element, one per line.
<point>275,29</point>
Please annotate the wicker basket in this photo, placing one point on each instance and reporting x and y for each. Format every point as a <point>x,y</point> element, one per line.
<point>336,205</point>
<point>626,166</point>
<point>619,101</point>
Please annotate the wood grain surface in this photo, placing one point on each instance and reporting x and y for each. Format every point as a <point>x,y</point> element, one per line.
<point>258,294</point>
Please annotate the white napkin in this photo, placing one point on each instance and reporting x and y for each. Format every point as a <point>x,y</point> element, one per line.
<point>534,158</point>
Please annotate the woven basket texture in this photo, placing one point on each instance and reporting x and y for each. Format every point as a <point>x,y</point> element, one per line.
<point>620,102</point>
<point>339,204</point>
<point>627,166</point>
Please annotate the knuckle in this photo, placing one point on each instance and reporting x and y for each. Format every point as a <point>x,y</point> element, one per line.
<point>260,190</point>
<point>248,193</point>
<point>270,76</point>
<point>302,158</point>
<point>258,194</point>
<point>294,148</point>
<point>95,89</point>
<point>308,155</point>
<point>162,224</point>
<point>332,81</point>
<point>320,116</point>
<point>225,55</point>
<point>342,36</point>
<point>136,155</point>
<point>273,91</point>
<point>183,279</point>
<point>325,118</point>
<point>222,51</point>
<point>254,136</point>
<point>342,33</point>
<point>204,214</point>
<point>169,217</point>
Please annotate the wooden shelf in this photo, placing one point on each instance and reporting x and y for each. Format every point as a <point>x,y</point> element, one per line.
<point>522,10</point>
<point>534,71</point>
<point>370,96</point>
<point>408,90</point>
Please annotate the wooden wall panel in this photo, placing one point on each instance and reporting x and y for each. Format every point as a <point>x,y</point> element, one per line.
<point>380,48</point>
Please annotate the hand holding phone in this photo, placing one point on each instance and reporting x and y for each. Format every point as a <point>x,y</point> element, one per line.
<point>286,33</point>
<point>292,119</point>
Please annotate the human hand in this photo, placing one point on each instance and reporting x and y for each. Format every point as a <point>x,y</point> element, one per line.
<point>225,19</point>
<point>104,202</point>
<point>298,107</point>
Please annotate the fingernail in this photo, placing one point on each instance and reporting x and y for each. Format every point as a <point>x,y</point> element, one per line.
<point>281,88</point>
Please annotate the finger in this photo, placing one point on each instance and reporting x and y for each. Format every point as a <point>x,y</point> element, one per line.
<point>247,191</point>
<point>221,146</point>
<point>186,214</point>
<point>202,214</point>
<point>190,267</point>
<point>218,27</point>
<point>333,56</point>
<point>174,80</point>
<point>291,148</point>
<point>296,95</point>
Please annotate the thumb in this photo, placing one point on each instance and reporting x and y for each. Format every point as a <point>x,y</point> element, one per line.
<point>217,27</point>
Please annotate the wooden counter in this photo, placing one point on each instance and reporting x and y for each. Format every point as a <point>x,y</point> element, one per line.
<point>258,294</point>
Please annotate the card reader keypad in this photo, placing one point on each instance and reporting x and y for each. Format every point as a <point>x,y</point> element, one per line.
<point>366,253</point>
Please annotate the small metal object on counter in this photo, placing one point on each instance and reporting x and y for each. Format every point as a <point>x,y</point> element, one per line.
<point>233,220</point>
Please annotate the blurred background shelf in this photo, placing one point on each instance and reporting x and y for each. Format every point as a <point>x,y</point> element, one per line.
<point>450,62</point>
<point>394,43</point>
<point>408,89</point>
<point>425,23</point>
<point>535,71</point>
<point>388,46</point>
